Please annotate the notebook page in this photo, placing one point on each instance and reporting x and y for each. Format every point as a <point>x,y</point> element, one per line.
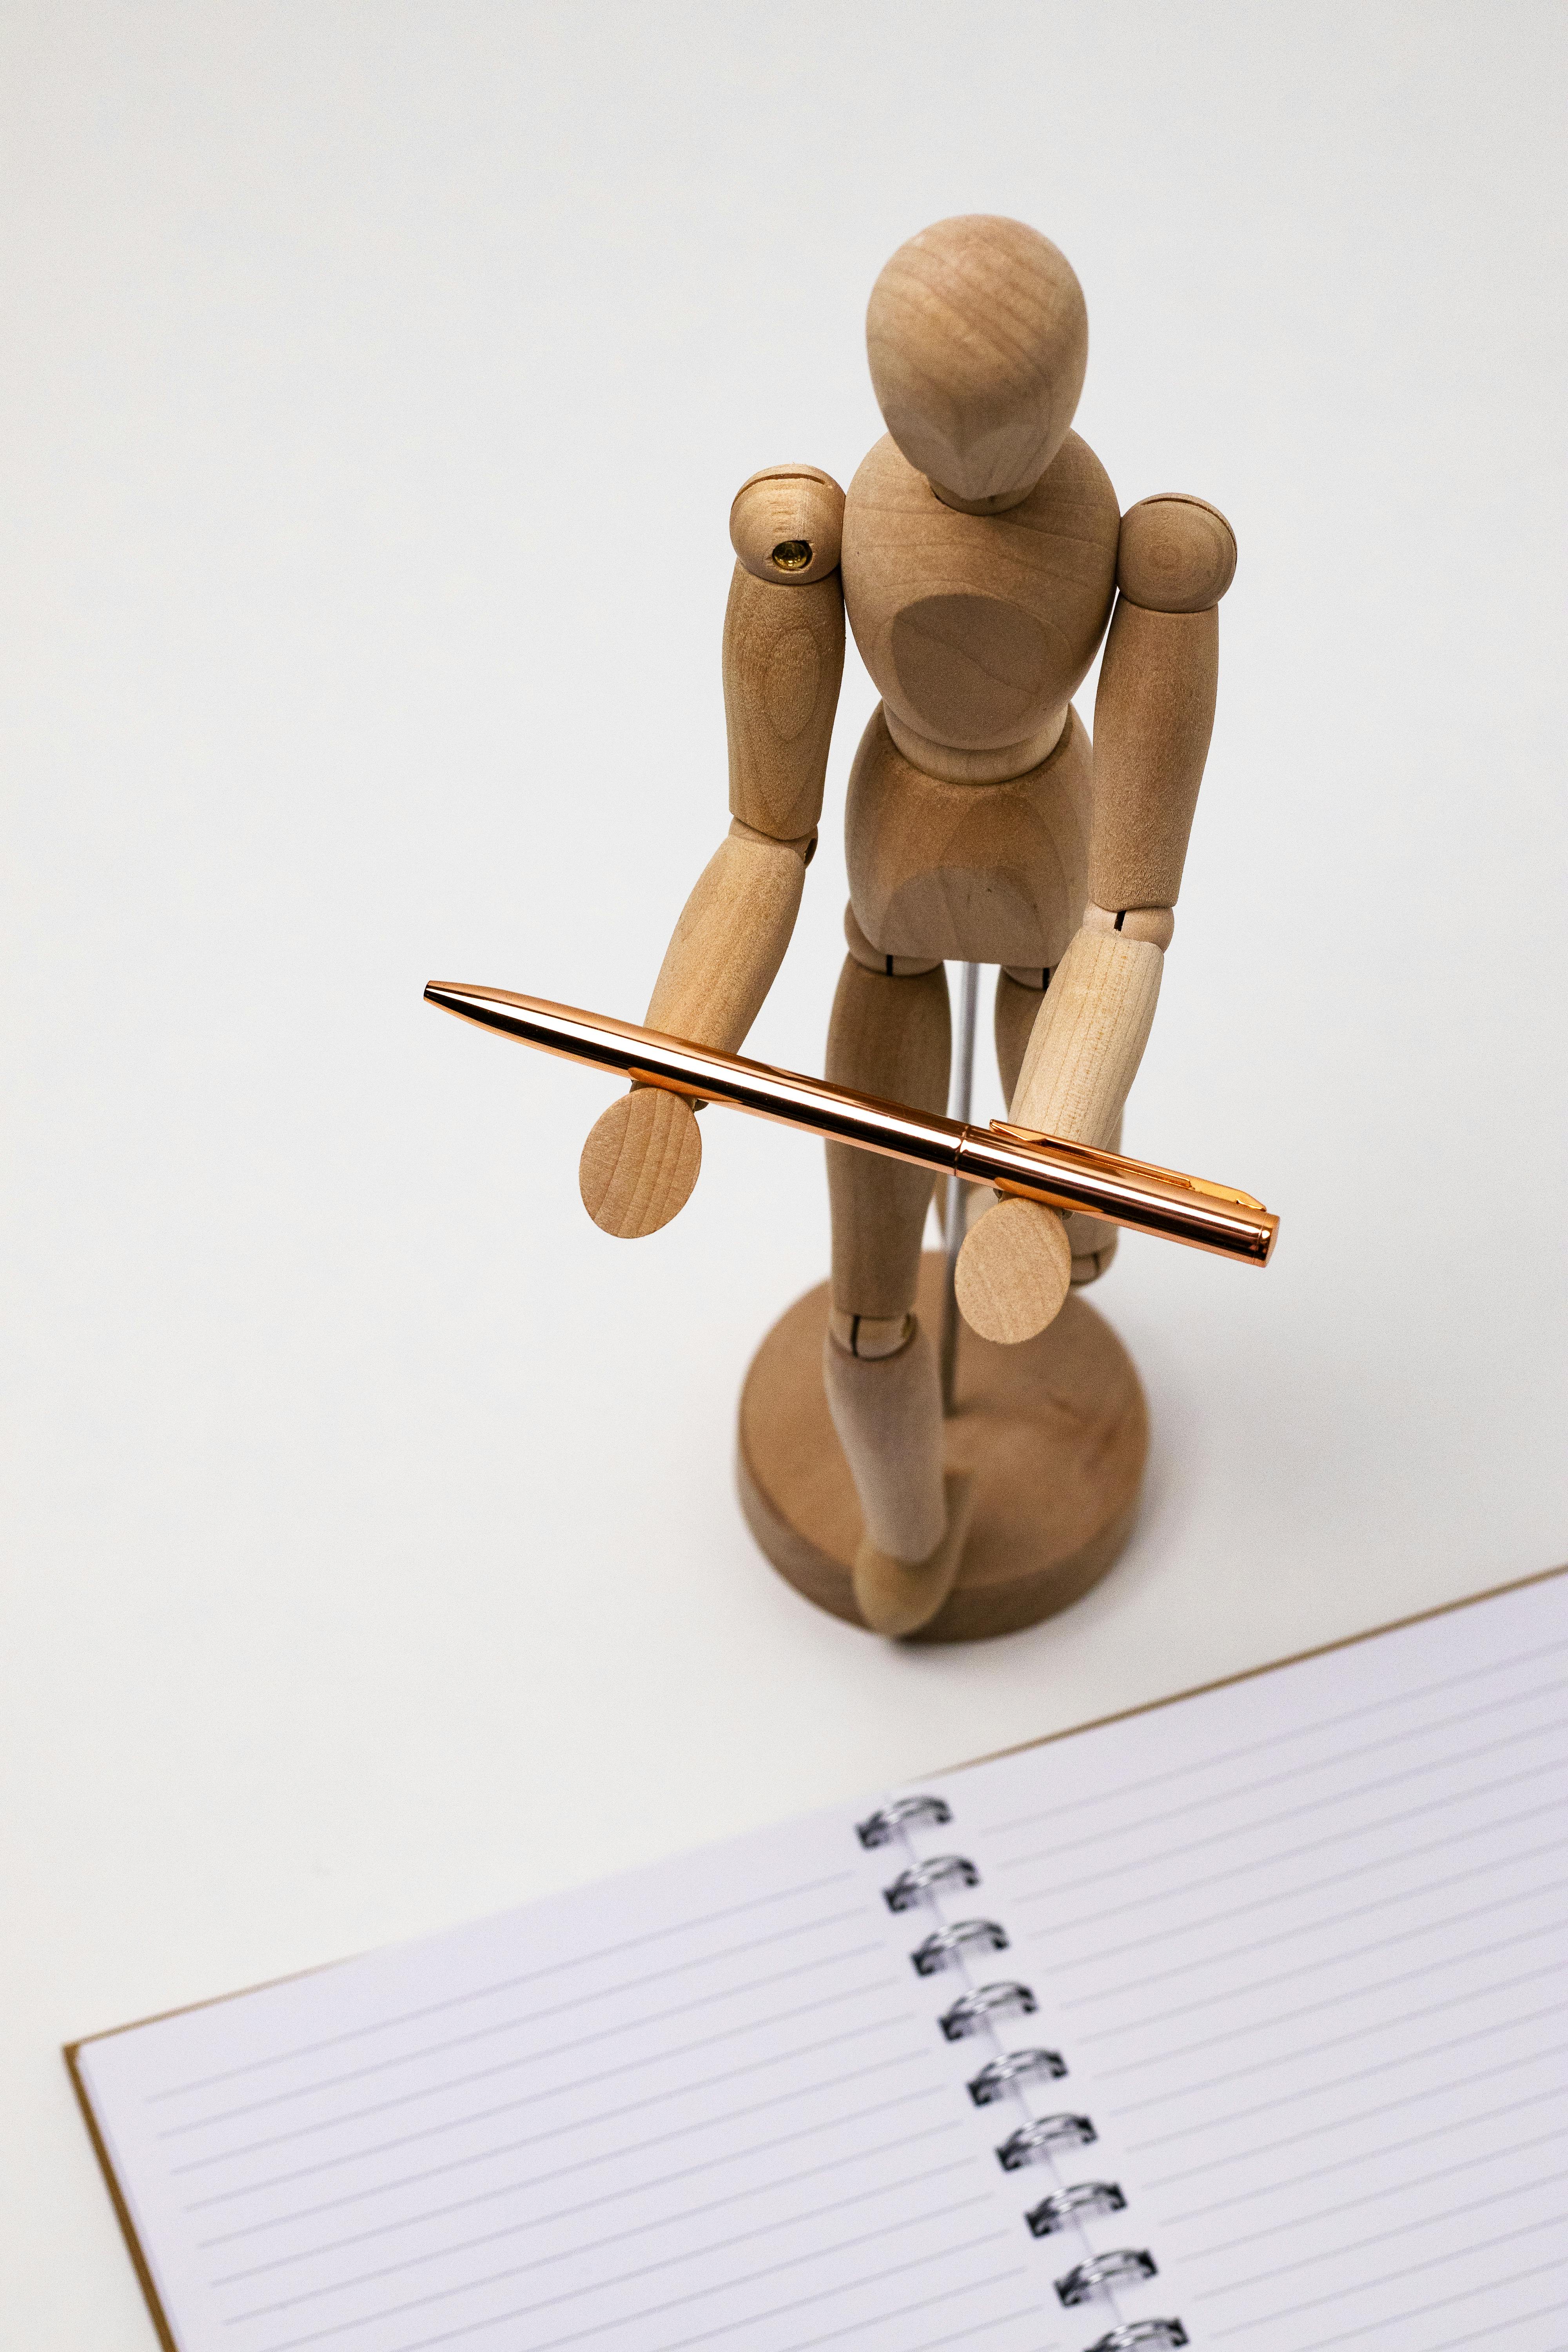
<point>704,2105</point>
<point>1305,1942</point>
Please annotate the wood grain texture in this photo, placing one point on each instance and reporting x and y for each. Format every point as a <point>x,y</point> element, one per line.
<point>974,873</point>
<point>978,338</point>
<point>1013,1019</point>
<point>639,1164</point>
<point>1085,1048</point>
<point>1177,554</point>
<point>728,942</point>
<point>889,1037</point>
<point>786,525</point>
<point>1013,1272</point>
<point>1154,715</point>
<point>643,1157</point>
<point>1055,1433</point>
<point>1015,1265</point>
<point>782,661</point>
<point>977,630</point>
<point>887,1415</point>
<point>1090,1240</point>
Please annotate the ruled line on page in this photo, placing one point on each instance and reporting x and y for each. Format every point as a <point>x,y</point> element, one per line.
<point>753,2107</point>
<point>878,2319</point>
<point>1060,1808</point>
<point>939,2343</point>
<point>511,2188</point>
<point>1364,2073</point>
<point>1294,1854</point>
<point>1070,1960</point>
<point>754,2319</point>
<point>540,2221</point>
<point>511,2107</point>
<point>1346,2123</point>
<point>1316,1806</point>
<point>594,2245</point>
<point>1405,2230</point>
<point>554,2048</point>
<point>687,2049</point>
<point>1362,1991</point>
<point>1294,1934</point>
<point>599,2287</point>
<point>1294,1774</point>
<point>1487,2335</point>
<point>1366,2197</point>
<point>783,2311</point>
<point>536,2017</point>
<point>1415,2269</point>
<point>505,1984</point>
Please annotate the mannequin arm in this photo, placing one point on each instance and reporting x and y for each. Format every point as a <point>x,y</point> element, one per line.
<point>783,657</point>
<point>1153,715</point>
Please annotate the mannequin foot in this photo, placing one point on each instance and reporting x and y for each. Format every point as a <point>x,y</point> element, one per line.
<point>896,1597</point>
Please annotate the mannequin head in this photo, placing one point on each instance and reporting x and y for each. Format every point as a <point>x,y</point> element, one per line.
<point>978,338</point>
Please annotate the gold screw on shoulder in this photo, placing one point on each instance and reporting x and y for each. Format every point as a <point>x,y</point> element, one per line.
<point>792,554</point>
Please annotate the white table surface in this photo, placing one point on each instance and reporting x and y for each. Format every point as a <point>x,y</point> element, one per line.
<point>377,381</point>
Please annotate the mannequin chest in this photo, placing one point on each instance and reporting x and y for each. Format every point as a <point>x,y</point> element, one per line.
<point>978,628</point>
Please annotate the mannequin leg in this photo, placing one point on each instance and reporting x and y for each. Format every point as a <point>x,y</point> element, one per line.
<point>888,1036</point>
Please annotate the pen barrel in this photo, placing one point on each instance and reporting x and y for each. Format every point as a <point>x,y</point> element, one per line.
<point>647,1059</point>
<point>1060,1174</point>
<point>793,1099</point>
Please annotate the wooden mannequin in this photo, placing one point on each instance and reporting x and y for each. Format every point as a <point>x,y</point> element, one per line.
<point>979,553</point>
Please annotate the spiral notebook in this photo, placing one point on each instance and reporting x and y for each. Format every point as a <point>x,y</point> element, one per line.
<point>1238,2021</point>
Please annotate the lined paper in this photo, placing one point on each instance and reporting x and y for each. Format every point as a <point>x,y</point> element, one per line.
<point>1309,1936</point>
<point>702,2106</point>
<point>1300,1943</point>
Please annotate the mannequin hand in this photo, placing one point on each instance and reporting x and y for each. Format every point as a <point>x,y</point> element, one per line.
<point>1013,1271</point>
<point>640,1162</point>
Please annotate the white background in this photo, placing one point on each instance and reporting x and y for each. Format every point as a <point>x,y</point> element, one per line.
<point>377,380</point>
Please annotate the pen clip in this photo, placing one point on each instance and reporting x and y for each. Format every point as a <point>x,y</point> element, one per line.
<point>1087,1152</point>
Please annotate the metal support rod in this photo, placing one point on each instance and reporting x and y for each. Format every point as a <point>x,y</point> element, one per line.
<point>959,1107</point>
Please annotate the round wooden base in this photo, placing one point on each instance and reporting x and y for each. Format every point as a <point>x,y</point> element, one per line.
<point>1055,1431</point>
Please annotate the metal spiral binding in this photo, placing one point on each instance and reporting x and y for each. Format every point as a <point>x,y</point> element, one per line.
<point>1126,2264</point>
<point>947,1943</point>
<point>912,1886</point>
<point>971,2011</point>
<point>1163,2332</point>
<point>996,2080</point>
<point>1040,2137</point>
<point>1067,2207</point>
<point>884,1825</point>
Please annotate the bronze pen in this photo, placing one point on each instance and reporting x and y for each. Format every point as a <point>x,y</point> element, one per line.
<point>1013,1160</point>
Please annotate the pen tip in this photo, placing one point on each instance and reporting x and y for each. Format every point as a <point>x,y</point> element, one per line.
<point>450,996</point>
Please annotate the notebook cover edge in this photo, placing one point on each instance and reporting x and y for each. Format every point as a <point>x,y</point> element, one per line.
<point>165,2334</point>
